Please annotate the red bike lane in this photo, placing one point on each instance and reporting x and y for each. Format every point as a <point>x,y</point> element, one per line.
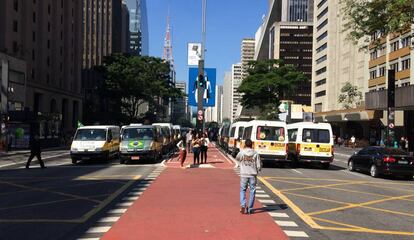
<point>194,203</point>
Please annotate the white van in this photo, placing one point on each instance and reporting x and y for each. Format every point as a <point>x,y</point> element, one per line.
<point>95,142</point>
<point>236,132</point>
<point>311,142</point>
<point>269,139</point>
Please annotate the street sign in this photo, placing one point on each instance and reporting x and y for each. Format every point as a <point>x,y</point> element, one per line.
<point>194,53</point>
<point>209,94</point>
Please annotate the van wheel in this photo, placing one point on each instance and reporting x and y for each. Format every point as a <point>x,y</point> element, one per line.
<point>121,160</point>
<point>351,167</point>
<point>326,165</point>
<point>74,161</point>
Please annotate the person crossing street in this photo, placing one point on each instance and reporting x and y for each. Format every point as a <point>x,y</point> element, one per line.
<point>35,150</point>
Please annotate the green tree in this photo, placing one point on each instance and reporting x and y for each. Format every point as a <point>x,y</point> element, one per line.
<point>130,81</point>
<point>350,96</point>
<point>367,17</point>
<point>268,82</point>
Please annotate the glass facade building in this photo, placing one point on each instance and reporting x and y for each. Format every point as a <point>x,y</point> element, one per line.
<point>138,27</point>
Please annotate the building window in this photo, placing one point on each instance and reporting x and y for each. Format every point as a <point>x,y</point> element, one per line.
<point>395,46</point>
<point>406,42</point>
<point>320,94</point>
<point>373,74</point>
<point>373,55</point>
<point>323,13</point>
<point>15,47</point>
<point>47,78</point>
<point>34,36</point>
<point>394,66</point>
<point>34,17</point>
<point>321,48</point>
<point>320,71</point>
<point>321,59</point>
<point>48,61</point>
<point>323,24</point>
<point>48,9</point>
<point>318,107</point>
<point>33,55</point>
<point>382,71</point>
<point>48,44</point>
<point>320,82</point>
<point>406,64</point>
<point>322,36</point>
<point>48,26</point>
<point>14,26</point>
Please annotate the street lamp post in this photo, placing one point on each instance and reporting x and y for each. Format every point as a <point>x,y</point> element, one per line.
<point>201,79</point>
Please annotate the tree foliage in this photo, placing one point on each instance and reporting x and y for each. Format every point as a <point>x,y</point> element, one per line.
<point>367,17</point>
<point>131,81</point>
<point>268,82</point>
<point>350,96</point>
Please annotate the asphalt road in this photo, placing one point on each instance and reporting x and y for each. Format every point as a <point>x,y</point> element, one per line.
<point>338,204</point>
<point>62,201</point>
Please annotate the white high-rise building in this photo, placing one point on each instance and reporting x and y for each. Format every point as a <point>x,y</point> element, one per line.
<point>247,54</point>
<point>236,79</point>
<point>227,96</point>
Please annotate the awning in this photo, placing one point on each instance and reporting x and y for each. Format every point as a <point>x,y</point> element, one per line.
<point>355,114</point>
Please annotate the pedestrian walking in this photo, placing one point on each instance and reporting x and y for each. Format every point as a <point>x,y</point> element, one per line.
<point>189,139</point>
<point>196,142</point>
<point>250,166</point>
<point>183,153</point>
<point>353,141</point>
<point>204,147</point>
<point>402,143</point>
<point>35,150</point>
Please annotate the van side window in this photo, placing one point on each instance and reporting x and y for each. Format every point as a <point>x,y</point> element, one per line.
<point>293,133</point>
<point>247,133</point>
<point>240,132</point>
<point>233,131</point>
<point>270,133</point>
<point>115,134</point>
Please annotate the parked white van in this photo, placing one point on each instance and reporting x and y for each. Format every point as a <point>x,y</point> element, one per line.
<point>269,139</point>
<point>236,132</point>
<point>311,142</point>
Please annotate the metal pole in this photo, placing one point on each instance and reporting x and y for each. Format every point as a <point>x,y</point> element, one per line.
<point>200,89</point>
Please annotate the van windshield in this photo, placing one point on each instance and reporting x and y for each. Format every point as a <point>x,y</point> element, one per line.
<point>90,135</point>
<point>138,133</point>
<point>270,133</point>
<point>316,136</point>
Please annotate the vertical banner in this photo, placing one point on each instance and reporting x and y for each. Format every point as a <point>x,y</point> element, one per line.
<point>194,53</point>
<point>209,95</point>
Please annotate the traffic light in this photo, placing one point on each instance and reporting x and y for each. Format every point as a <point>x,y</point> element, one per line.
<point>201,81</point>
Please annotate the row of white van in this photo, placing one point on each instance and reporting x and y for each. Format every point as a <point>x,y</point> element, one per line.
<point>131,142</point>
<point>281,142</point>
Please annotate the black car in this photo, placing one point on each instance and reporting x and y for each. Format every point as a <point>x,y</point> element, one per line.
<point>382,161</point>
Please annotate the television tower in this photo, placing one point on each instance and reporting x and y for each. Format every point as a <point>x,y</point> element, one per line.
<point>168,50</point>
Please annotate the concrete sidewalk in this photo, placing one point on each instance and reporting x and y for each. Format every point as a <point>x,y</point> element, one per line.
<point>194,203</point>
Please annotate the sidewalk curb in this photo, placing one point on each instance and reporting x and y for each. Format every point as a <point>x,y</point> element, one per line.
<point>343,155</point>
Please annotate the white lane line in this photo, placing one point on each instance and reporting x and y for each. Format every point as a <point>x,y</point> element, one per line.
<point>266,201</point>
<point>109,219</point>
<point>296,171</point>
<point>260,191</point>
<point>34,161</point>
<point>118,210</point>
<point>278,215</point>
<point>135,193</point>
<point>125,204</point>
<point>130,198</point>
<point>258,187</point>
<point>296,234</point>
<point>98,230</point>
<point>262,196</point>
<point>286,223</point>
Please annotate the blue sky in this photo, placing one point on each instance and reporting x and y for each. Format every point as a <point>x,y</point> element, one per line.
<point>228,22</point>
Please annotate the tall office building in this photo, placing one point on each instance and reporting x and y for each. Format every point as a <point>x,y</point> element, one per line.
<point>336,62</point>
<point>227,96</point>
<point>236,79</point>
<point>103,35</point>
<point>287,35</point>
<point>50,42</point>
<point>219,103</point>
<point>125,36</point>
<point>247,54</point>
<point>138,27</point>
